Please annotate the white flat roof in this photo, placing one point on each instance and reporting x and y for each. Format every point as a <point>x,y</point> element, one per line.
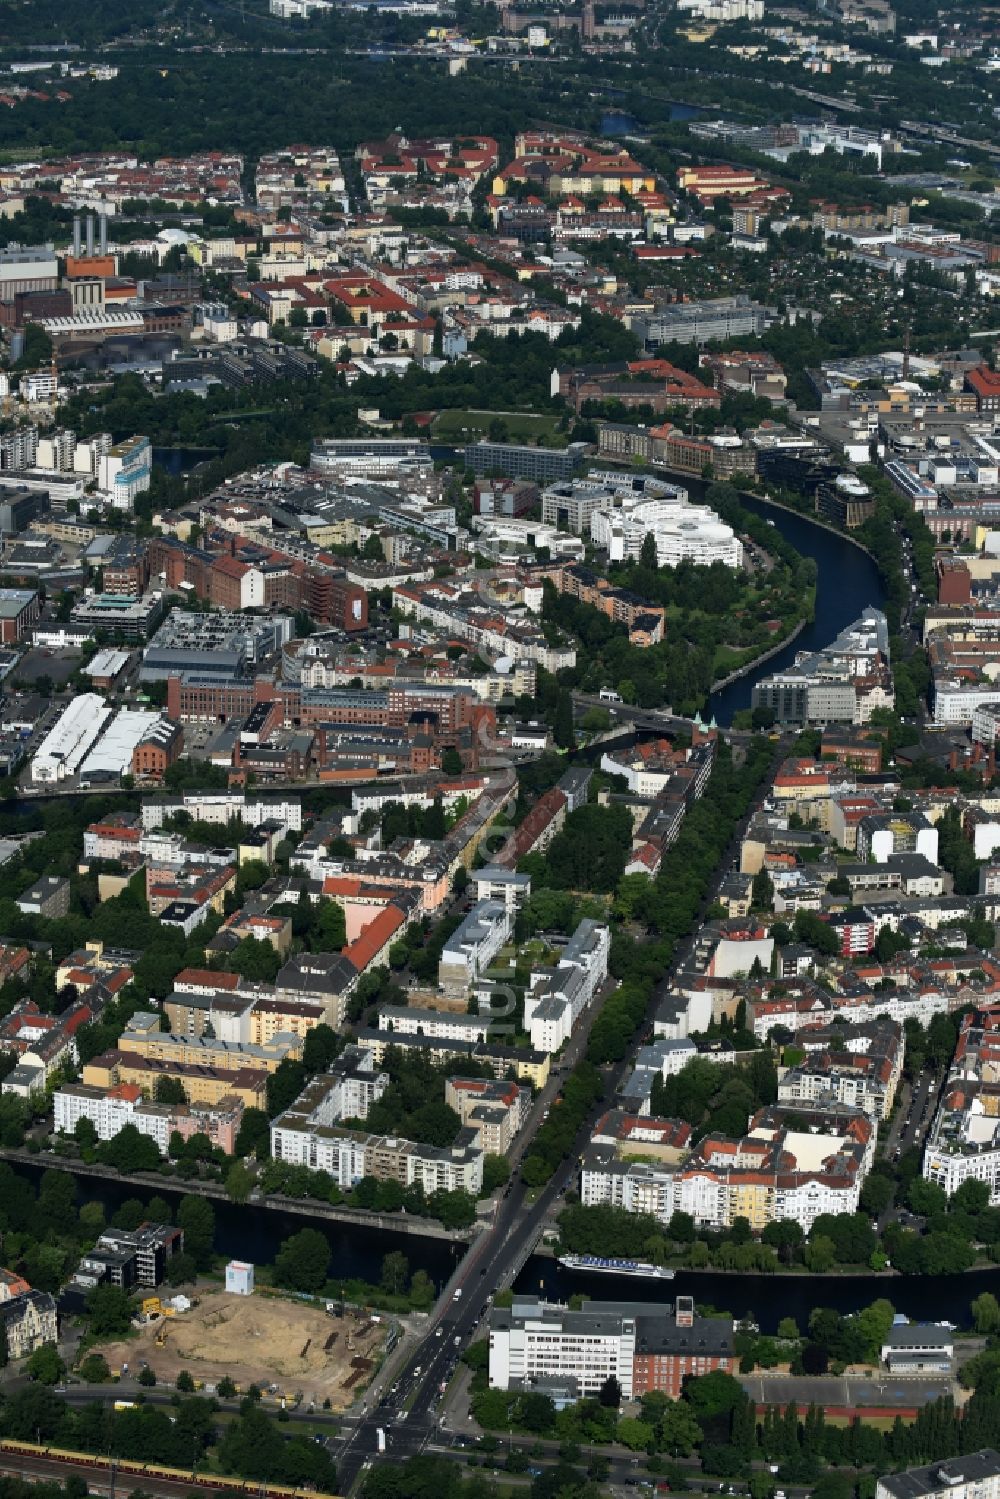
<point>113,751</point>
<point>107,663</point>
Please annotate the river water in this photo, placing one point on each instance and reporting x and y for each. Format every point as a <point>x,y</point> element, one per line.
<point>256,1233</point>
<point>180,461</point>
<point>847,581</point>
<point>768,1298</point>
<point>618,122</point>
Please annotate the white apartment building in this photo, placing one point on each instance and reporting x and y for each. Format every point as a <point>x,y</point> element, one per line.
<point>109,1115</point>
<point>792,1012</point>
<point>106,1113</point>
<point>298,10</point>
<point>438,1024</point>
<point>779,1169</point>
<point>494,883</point>
<point>347,1091</point>
<point>534,1340</point>
<point>223,806</point>
<point>42,385</point>
<point>859,1068</point>
<point>716,1199</point>
<point>964,1141</point>
<point>471,948</point>
<point>519,639</point>
<point>978,1160</point>
<point>349,1156</point>
<point>556,998</point>
<point>722,11</point>
<point>110,840</point>
<point>338,1152</point>
<point>633,1186</point>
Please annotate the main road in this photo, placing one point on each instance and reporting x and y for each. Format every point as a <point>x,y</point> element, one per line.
<point>406,1413</point>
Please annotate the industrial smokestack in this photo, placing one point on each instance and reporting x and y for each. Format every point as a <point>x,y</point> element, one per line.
<point>103,223</point>
<point>90,234</point>
<point>77,242</point>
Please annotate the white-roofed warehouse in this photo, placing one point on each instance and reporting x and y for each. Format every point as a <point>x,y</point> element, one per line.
<point>111,756</point>
<point>70,738</point>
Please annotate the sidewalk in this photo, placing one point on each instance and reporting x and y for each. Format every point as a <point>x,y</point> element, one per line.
<point>454,1417</point>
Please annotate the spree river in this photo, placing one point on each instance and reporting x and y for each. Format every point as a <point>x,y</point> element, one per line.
<point>255,1233</point>
<point>847,581</point>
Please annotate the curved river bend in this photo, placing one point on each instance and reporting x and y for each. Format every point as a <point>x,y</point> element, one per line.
<point>847,581</point>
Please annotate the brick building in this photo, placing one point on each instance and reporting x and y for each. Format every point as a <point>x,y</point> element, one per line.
<point>125,568</point>
<point>19,610</point>
<point>985,386</point>
<point>668,1350</point>
<point>954,581</point>
<point>158,750</point>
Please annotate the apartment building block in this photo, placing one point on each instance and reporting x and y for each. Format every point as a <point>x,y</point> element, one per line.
<point>975,1475</point>
<point>471,948</point>
<point>494,1109</point>
<point>556,998</point>
<point>859,1068</point>
<point>964,1139</point>
<point>202,1084</point>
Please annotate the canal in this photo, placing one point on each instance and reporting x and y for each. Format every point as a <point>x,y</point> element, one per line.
<point>847,581</point>
<point>256,1233</point>
<point>768,1298</point>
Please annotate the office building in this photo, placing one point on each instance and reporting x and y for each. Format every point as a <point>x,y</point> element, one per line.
<point>371,457</point>
<point>644,1346</point>
<point>571,504</point>
<point>222,646</point>
<point>27,268</point>
<point>843,683</point>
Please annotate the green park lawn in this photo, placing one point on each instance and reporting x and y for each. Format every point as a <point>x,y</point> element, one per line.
<point>522,426</point>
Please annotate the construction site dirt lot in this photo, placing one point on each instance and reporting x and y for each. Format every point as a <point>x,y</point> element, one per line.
<point>261,1340</point>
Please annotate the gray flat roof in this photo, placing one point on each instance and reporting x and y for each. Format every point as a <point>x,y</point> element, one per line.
<point>935,1478</point>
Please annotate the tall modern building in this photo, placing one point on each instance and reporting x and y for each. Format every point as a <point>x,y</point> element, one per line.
<point>125,471</point>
